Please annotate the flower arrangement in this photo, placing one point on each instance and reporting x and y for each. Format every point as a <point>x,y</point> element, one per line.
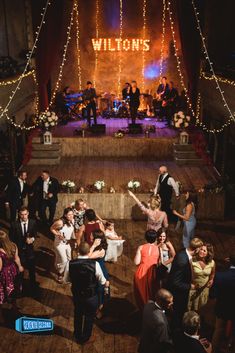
<point>133,184</point>
<point>69,185</point>
<point>119,134</point>
<point>99,185</point>
<point>48,119</point>
<point>181,120</point>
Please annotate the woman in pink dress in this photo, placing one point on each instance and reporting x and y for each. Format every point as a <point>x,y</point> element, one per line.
<point>146,258</point>
<point>156,218</point>
<point>10,266</point>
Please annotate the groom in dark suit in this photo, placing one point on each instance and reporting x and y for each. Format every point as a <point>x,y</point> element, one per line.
<point>155,336</point>
<point>180,280</point>
<point>23,233</point>
<point>46,188</point>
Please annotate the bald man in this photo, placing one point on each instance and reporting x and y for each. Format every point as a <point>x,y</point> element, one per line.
<point>156,336</point>
<point>164,187</point>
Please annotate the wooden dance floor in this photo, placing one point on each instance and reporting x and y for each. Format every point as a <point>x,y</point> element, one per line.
<point>118,331</point>
<point>117,172</point>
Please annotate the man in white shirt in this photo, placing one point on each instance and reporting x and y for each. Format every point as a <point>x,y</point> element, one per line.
<point>164,187</point>
<point>85,275</point>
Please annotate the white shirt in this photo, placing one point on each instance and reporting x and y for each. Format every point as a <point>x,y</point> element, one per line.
<point>98,272</point>
<point>192,336</point>
<point>67,232</point>
<point>171,182</point>
<point>22,226</point>
<point>189,255</point>
<point>21,184</point>
<point>46,185</point>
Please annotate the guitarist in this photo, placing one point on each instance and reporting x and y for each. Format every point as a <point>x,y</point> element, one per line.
<point>162,93</point>
<point>89,97</point>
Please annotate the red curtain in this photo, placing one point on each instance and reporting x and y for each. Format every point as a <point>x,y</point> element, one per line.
<point>49,42</point>
<point>190,44</point>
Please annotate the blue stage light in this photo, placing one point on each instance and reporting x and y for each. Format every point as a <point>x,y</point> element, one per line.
<point>152,71</point>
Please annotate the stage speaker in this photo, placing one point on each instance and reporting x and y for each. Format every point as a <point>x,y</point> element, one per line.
<point>135,128</point>
<point>98,129</point>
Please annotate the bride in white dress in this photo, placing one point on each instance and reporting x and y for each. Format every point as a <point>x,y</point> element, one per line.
<point>115,243</point>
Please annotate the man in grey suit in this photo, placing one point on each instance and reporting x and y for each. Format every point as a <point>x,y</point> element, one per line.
<point>155,337</point>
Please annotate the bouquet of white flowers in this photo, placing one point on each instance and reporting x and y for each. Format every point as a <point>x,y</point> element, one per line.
<point>133,184</point>
<point>99,184</point>
<point>181,120</point>
<point>68,184</point>
<point>48,119</point>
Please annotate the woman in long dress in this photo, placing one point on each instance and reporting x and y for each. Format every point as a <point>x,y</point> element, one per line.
<point>10,267</point>
<point>203,272</point>
<point>156,218</point>
<point>188,218</point>
<point>146,258</point>
<point>63,231</point>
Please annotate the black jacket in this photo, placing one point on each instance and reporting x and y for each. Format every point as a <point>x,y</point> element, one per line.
<point>155,335</point>
<point>184,343</point>
<point>180,276</point>
<point>224,291</point>
<point>13,192</point>
<point>17,237</point>
<point>54,188</point>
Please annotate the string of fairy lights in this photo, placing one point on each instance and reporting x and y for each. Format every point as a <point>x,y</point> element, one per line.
<point>181,76</point>
<point>14,91</point>
<point>79,72</point>
<point>162,38</point>
<point>60,75</point>
<point>231,116</point>
<point>143,51</point>
<point>120,53</point>
<point>220,79</point>
<point>11,82</point>
<point>97,12</point>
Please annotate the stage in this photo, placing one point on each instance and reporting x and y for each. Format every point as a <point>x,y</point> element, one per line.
<point>114,124</point>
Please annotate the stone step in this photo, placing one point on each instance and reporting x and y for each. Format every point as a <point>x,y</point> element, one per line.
<point>38,139</point>
<point>42,147</point>
<point>45,154</point>
<point>179,147</point>
<point>191,162</point>
<point>44,161</point>
<point>186,154</point>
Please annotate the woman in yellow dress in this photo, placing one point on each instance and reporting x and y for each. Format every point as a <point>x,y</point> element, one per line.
<point>203,272</point>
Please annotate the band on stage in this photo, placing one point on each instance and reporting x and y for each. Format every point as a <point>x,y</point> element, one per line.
<point>162,104</point>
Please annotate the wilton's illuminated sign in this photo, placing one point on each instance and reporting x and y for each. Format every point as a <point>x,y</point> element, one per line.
<point>120,44</point>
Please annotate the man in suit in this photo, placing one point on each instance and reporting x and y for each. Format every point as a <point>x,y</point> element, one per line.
<point>224,291</point>
<point>180,280</point>
<point>23,233</point>
<point>188,339</point>
<point>164,187</point>
<point>89,96</point>
<point>85,274</point>
<point>46,188</point>
<point>155,336</point>
<point>16,191</point>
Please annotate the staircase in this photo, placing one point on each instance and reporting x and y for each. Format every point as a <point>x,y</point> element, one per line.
<point>43,154</point>
<point>185,155</point>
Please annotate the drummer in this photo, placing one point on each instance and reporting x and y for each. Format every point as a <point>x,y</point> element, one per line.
<point>126,91</point>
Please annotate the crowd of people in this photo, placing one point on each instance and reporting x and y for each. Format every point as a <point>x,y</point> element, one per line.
<point>170,287</point>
